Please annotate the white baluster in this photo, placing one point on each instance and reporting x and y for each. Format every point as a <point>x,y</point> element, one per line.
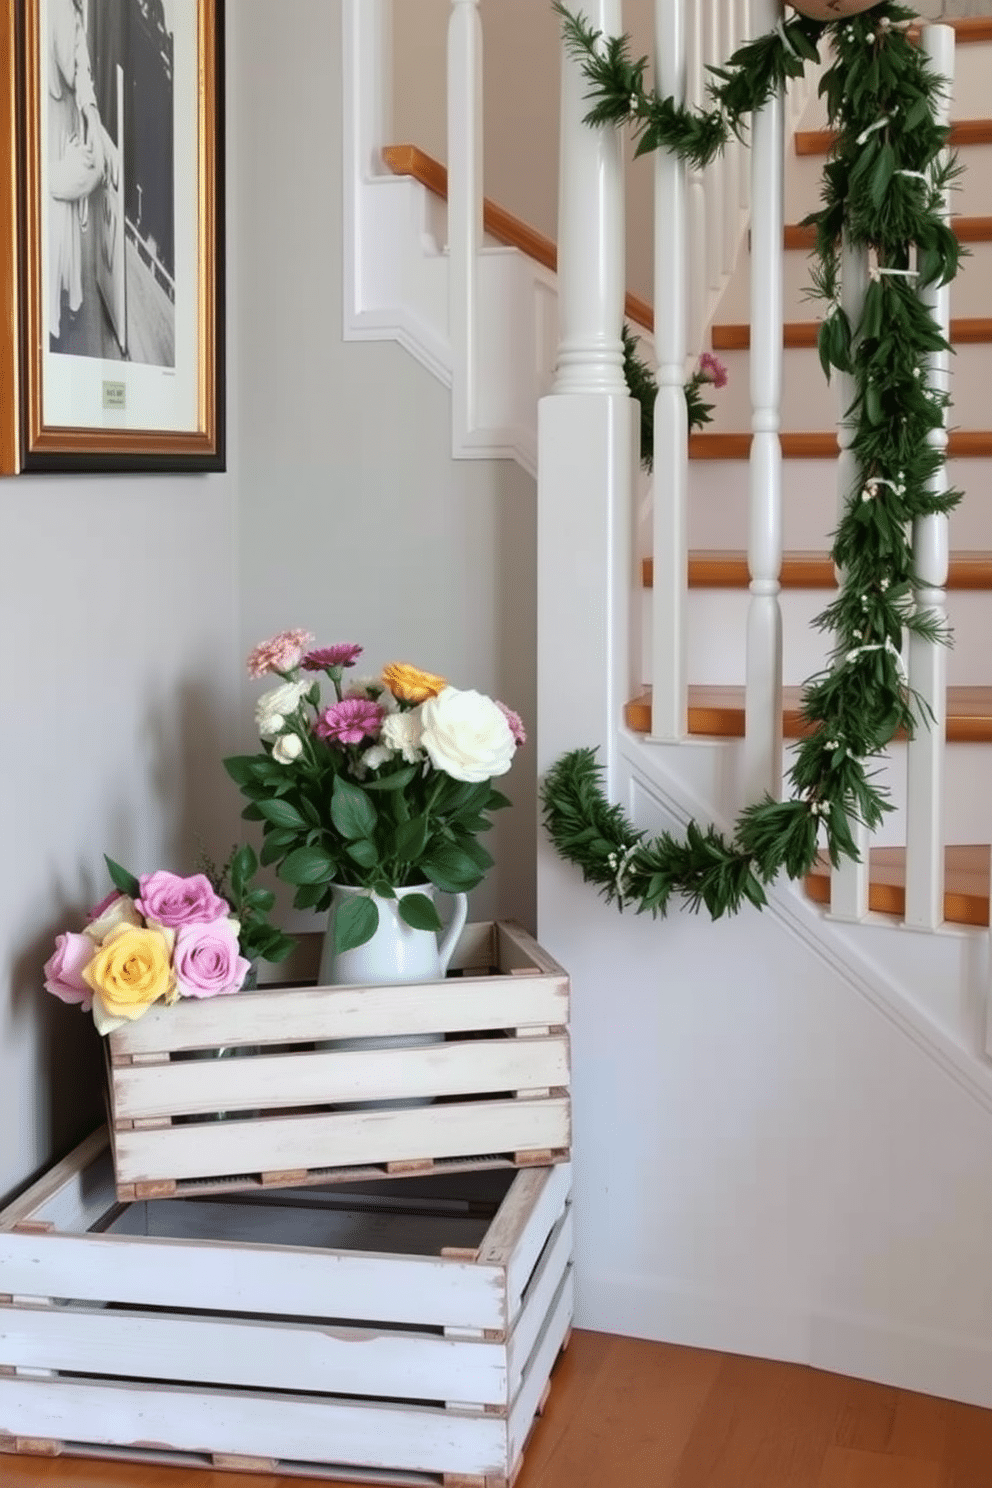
<point>714,171</point>
<point>590,233</point>
<point>586,445</point>
<point>671,462</point>
<point>698,286</point>
<point>763,710</point>
<point>849,882</point>
<point>928,663</point>
<point>744,33</point>
<point>732,162</point>
<point>464,211</point>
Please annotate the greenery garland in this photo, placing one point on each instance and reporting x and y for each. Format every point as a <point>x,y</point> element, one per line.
<point>883,187</point>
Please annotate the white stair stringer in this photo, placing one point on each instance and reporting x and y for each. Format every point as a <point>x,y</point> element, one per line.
<point>931,986</point>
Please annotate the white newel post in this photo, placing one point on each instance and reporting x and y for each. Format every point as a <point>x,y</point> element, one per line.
<point>587,453</point>
<point>849,882</point>
<point>671,451</point>
<point>928,663</point>
<point>464,212</point>
<point>763,709</point>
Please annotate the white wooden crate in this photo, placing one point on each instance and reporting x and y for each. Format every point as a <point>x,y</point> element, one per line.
<point>410,1327</point>
<point>296,1109</point>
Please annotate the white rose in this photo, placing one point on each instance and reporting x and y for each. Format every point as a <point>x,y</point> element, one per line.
<point>119,911</point>
<point>402,732</point>
<point>375,756</point>
<point>287,748</point>
<point>273,706</point>
<point>466,735</point>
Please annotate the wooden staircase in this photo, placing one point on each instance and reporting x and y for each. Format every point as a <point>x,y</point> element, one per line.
<point>718,711</point>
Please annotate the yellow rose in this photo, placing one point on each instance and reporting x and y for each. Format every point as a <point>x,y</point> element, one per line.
<point>410,684</point>
<point>131,970</point>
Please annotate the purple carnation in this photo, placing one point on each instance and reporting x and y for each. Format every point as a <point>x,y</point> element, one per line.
<point>327,657</point>
<point>350,721</point>
<point>515,721</point>
<point>711,369</point>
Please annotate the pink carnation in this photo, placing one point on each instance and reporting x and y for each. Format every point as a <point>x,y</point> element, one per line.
<point>350,721</point>
<point>516,723</point>
<point>281,654</point>
<point>327,657</point>
<point>711,369</point>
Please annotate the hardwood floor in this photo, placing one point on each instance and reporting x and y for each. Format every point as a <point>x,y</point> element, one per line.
<point>628,1414</point>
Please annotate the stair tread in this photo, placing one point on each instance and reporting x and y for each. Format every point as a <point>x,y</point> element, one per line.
<point>962,444</point>
<point>718,711</point>
<point>801,334</point>
<point>966,882</point>
<point>718,568</point>
<point>963,132</point>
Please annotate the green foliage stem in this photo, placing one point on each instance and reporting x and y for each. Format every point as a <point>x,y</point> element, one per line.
<point>883,190</point>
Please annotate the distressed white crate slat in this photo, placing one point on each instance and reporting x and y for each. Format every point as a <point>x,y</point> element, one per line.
<point>362,1137</point>
<point>262,1083</point>
<point>310,1296</point>
<point>297,1108</point>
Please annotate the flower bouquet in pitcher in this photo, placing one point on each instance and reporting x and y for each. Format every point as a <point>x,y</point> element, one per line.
<point>372,798</point>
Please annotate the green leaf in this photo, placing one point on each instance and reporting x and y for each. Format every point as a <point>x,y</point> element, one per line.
<point>419,912</point>
<point>355,922</point>
<point>351,810</point>
<point>282,814</point>
<point>399,781</point>
<point>496,801</point>
<point>410,839</point>
<point>451,869</point>
<point>260,900</point>
<point>244,866</point>
<point>240,767</point>
<point>308,865</point>
<point>122,880</point>
<point>364,852</point>
<point>308,896</point>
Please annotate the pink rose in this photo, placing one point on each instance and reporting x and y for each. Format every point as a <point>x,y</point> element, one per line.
<point>173,901</point>
<point>206,959</point>
<point>64,969</point>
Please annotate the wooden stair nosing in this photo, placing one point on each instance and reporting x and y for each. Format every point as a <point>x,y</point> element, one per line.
<point>718,712</point>
<point>966,230</point>
<point>802,334</point>
<point>966,883</point>
<point>968,30</point>
<point>726,569</point>
<point>963,132</point>
<point>963,444</point>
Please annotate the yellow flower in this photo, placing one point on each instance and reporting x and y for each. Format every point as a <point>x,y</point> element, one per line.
<point>410,684</point>
<point>131,970</point>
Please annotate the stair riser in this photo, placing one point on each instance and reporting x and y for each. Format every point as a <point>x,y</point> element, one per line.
<point>810,402</point>
<point>969,199</point>
<point>970,292</point>
<point>717,623</point>
<point>718,503</point>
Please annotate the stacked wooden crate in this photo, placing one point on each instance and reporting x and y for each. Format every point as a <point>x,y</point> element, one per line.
<point>287,1302</point>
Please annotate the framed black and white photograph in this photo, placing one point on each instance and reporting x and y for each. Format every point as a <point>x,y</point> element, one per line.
<point>120,199</point>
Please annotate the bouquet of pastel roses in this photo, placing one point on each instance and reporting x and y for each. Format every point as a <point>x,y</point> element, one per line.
<point>161,936</point>
<point>386,786</point>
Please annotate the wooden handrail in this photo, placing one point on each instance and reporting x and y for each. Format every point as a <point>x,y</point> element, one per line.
<point>408,160</point>
<point>802,334</point>
<point>964,444</point>
<point>966,230</point>
<point>963,132</point>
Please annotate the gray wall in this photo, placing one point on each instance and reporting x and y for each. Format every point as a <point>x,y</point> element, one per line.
<point>129,603</point>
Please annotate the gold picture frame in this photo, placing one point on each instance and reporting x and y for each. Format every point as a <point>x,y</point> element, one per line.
<point>112,181</point>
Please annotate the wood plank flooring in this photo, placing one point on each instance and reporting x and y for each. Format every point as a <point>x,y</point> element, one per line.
<point>628,1414</point>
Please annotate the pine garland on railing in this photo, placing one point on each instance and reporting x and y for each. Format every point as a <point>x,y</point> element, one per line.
<point>883,187</point>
